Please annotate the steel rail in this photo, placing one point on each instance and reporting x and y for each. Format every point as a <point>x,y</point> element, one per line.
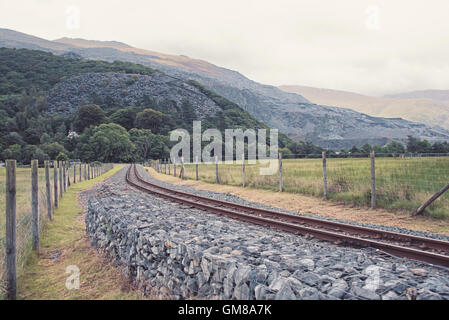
<point>412,240</point>
<point>264,217</point>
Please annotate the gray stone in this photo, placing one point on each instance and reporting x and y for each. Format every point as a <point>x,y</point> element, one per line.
<point>364,293</point>
<point>308,278</point>
<point>428,295</point>
<point>241,275</point>
<point>277,284</point>
<point>260,292</point>
<point>390,295</point>
<point>285,293</point>
<point>241,292</point>
<point>309,293</point>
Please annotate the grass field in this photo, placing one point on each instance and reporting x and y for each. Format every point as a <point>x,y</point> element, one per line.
<point>401,184</point>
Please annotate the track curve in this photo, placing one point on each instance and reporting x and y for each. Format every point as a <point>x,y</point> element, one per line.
<point>429,250</point>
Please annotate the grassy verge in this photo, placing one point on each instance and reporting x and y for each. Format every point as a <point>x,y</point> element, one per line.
<point>64,243</point>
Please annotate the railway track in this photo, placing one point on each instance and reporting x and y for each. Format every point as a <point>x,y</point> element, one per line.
<point>429,250</point>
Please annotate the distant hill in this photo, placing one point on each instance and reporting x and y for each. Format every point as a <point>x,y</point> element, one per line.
<point>442,95</point>
<point>291,113</point>
<point>430,107</point>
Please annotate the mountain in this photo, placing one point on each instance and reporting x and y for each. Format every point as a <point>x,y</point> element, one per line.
<point>439,95</point>
<point>291,113</point>
<point>430,107</point>
<point>54,106</point>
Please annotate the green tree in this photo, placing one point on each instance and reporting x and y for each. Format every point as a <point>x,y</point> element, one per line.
<point>62,157</point>
<point>111,143</point>
<point>13,152</point>
<point>366,148</point>
<point>394,147</point>
<point>149,145</point>
<point>13,138</point>
<point>286,153</point>
<point>149,119</point>
<point>53,149</point>
<point>124,117</point>
<point>89,115</point>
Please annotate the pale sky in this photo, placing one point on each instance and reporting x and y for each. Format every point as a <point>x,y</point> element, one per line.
<point>368,46</point>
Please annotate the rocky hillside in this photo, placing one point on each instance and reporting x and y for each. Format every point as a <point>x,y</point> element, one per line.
<point>126,90</point>
<point>289,112</point>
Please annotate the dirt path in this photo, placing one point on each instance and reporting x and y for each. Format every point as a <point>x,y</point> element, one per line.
<point>307,204</point>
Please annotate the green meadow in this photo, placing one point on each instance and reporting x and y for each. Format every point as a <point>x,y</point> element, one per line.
<point>401,183</point>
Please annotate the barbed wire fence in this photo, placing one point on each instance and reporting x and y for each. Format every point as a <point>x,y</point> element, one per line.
<point>72,171</point>
<point>390,181</point>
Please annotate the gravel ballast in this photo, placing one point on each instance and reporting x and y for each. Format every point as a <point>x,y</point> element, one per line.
<point>185,253</point>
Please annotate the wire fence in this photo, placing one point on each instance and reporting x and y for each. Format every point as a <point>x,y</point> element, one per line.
<point>402,181</point>
<point>24,217</point>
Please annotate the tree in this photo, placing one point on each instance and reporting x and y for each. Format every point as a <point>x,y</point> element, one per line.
<point>394,147</point>
<point>149,145</point>
<point>412,144</point>
<point>149,119</point>
<point>366,148</point>
<point>14,138</point>
<point>111,143</point>
<point>45,138</point>
<point>354,151</point>
<point>143,139</point>
<point>124,117</point>
<point>89,115</point>
<point>415,145</point>
<point>53,149</point>
<point>440,147</point>
<point>286,153</point>
<point>13,152</point>
<point>62,157</point>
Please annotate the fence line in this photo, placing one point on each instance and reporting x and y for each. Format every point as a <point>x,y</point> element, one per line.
<point>392,181</point>
<point>25,217</point>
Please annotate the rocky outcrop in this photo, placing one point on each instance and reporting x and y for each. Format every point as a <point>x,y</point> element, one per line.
<point>126,90</point>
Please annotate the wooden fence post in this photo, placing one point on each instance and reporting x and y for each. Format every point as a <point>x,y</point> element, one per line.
<point>61,187</point>
<point>74,173</point>
<point>48,188</point>
<point>324,175</point>
<point>196,167</point>
<point>174,168</point>
<point>64,175</point>
<point>55,183</point>
<point>217,179</point>
<point>421,209</point>
<point>373,180</point>
<point>11,262</point>
<point>35,202</point>
<point>281,181</point>
<point>68,177</point>
<point>243,171</point>
<point>182,168</point>
<point>169,166</point>
<point>79,177</point>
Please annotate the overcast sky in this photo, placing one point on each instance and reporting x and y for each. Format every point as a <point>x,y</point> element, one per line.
<point>372,47</point>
